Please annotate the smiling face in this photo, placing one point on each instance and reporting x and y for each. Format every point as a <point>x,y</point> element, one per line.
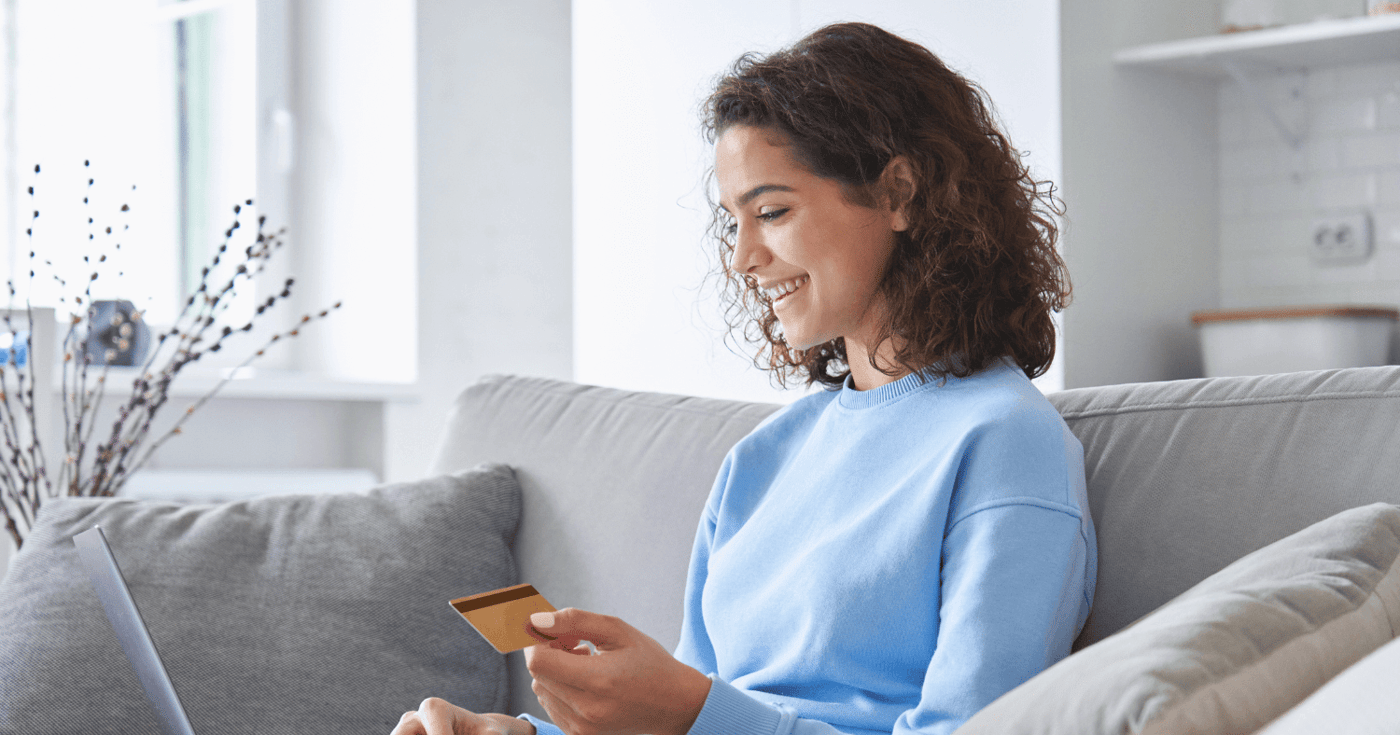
<point>819,257</point>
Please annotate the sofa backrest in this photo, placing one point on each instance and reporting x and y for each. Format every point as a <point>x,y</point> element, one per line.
<point>1187,476</point>
<point>1184,478</point>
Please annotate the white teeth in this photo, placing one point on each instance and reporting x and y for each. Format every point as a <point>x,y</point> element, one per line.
<point>780,290</point>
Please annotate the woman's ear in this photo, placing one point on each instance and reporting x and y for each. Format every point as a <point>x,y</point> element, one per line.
<point>898,178</point>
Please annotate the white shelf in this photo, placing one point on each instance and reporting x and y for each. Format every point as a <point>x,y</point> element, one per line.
<point>1303,46</point>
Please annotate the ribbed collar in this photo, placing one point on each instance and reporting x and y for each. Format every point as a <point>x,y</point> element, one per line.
<point>858,399</point>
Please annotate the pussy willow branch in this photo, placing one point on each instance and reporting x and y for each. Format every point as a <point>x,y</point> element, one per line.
<point>135,416</point>
<point>176,429</point>
<point>84,400</point>
<point>22,486</point>
<point>36,447</point>
<point>32,467</point>
<point>24,482</point>
<point>16,493</point>
<point>126,438</point>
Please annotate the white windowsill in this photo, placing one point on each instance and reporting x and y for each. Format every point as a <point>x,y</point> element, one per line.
<point>265,384</point>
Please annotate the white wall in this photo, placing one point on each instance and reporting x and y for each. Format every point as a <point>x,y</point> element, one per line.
<point>355,221</point>
<point>641,70</point>
<point>494,278</point>
<point>1141,194</point>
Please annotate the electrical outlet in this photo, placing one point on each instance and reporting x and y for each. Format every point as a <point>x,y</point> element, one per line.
<point>1344,238</point>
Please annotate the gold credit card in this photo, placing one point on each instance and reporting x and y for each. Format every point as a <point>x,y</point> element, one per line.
<point>500,616</point>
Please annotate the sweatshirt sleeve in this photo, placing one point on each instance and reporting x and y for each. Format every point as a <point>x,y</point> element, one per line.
<point>541,727</point>
<point>1017,569</point>
<point>1014,597</point>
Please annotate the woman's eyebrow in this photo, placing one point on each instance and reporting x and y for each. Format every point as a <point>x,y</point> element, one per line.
<point>760,189</point>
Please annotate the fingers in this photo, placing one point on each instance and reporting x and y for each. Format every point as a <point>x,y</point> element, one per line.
<point>550,662</point>
<point>558,708</point>
<point>438,717</point>
<point>571,645</point>
<point>574,624</point>
<point>566,630</point>
<point>563,689</point>
<point>409,725</point>
<point>431,715</point>
<point>537,635</point>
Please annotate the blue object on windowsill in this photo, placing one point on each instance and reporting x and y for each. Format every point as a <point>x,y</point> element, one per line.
<point>7,343</point>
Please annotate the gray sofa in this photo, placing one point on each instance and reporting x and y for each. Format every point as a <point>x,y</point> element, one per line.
<point>1249,566</point>
<point>1184,478</point>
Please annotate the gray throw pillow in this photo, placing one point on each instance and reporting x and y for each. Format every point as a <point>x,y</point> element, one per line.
<point>292,613</point>
<point>1235,651</point>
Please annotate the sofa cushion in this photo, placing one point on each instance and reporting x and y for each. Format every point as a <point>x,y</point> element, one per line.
<point>1359,701</point>
<point>1236,650</point>
<point>1187,476</point>
<point>293,613</point>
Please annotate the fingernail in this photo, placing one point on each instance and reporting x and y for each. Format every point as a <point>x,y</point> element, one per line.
<point>542,619</point>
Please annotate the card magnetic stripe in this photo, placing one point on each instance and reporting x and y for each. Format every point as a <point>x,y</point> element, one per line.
<point>487,599</point>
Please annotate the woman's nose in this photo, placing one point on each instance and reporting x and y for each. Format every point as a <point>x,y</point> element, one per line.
<point>749,253</point>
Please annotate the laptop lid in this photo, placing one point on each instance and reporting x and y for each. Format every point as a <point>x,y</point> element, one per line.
<point>136,641</point>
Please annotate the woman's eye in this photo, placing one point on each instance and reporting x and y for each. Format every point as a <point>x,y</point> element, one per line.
<point>731,228</point>
<point>770,216</point>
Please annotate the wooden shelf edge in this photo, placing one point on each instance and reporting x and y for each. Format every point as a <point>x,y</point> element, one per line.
<point>1293,312</point>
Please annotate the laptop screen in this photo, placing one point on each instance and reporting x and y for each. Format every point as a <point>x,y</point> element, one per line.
<point>136,641</point>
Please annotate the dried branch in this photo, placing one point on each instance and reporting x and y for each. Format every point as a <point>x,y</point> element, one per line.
<point>100,469</point>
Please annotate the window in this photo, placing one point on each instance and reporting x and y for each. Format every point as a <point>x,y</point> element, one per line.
<point>121,83</point>
<point>215,72</point>
<point>162,95</point>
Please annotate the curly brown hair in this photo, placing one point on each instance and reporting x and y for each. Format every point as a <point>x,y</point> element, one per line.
<point>975,277</point>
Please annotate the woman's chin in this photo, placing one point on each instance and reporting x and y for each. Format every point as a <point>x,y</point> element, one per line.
<point>801,344</point>
<point>798,338</point>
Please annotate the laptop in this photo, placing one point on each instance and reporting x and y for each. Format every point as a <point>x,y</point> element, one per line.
<point>136,641</point>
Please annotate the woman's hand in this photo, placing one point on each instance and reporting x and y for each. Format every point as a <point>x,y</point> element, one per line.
<point>438,717</point>
<point>632,685</point>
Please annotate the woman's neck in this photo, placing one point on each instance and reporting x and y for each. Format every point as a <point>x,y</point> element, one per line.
<point>864,375</point>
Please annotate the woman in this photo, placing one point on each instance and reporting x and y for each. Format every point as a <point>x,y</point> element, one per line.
<point>891,554</point>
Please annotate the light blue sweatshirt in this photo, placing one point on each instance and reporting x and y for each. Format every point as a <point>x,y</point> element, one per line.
<point>889,560</point>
